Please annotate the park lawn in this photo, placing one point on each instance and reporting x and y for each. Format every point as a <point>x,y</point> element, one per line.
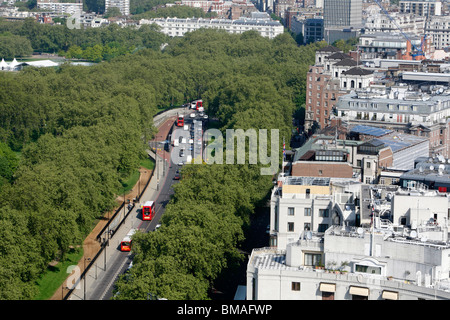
<point>52,279</point>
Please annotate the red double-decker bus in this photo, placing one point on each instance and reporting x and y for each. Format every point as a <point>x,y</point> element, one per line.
<point>180,120</point>
<point>125,244</point>
<point>198,104</point>
<point>148,210</point>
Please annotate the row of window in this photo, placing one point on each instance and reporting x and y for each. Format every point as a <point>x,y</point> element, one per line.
<point>307,227</point>
<point>325,213</point>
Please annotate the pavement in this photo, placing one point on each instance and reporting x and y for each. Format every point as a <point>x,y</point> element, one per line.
<point>109,264</point>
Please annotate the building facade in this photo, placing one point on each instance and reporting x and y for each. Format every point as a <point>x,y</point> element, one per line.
<point>399,109</point>
<point>342,13</point>
<point>423,8</point>
<point>122,5</point>
<point>175,27</point>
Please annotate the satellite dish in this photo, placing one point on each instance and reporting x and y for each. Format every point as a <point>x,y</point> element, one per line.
<point>360,230</point>
<point>413,234</point>
<point>431,167</point>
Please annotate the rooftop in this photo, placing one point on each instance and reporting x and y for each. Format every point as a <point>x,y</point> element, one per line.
<point>371,131</point>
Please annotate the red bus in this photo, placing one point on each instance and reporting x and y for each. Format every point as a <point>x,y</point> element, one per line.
<point>180,120</point>
<point>125,244</point>
<point>198,104</point>
<point>148,210</point>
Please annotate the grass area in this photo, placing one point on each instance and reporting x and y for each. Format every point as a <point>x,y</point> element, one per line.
<point>52,279</point>
<point>132,179</point>
<point>148,164</point>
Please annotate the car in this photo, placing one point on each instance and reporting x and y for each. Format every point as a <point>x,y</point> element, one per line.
<point>177,176</point>
<point>192,115</point>
<point>157,227</point>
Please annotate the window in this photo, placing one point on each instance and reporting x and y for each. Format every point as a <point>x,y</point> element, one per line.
<point>290,211</point>
<point>323,213</point>
<point>312,259</point>
<point>295,286</point>
<point>290,226</point>
<point>322,227</point>
<point>308,212</point>
<point>368,165</point>
<point>367,269</point>
<point>308,192</point>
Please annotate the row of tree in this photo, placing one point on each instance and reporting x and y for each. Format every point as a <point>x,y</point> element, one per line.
<point>80,129</point>
<point>56,38</point>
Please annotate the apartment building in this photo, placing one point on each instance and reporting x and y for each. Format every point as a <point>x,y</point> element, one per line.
<point>122,5</point>
<point>409,23</point>
<point>333,75</point>
<point>438,29</point>
<point>402,109</point>
<point>175,27</point>
<point>423,8</point>
<point>57,7</point>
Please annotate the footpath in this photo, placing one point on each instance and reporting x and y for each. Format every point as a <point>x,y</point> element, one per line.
<point>91,245</point>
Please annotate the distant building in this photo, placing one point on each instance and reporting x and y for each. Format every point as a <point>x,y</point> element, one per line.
<point>409,23</point>
<point>310,28</point>
<point>122,5</point>
<point>60,7</point>
<point>178,27</point>
<point>342,13</point>
<point>423,8</point>
<point>422,114</point>
<point>438,29</point>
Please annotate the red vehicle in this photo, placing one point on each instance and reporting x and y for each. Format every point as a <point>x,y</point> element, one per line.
<point>180,120</point>
<point>198,104</point>
<point>125,244</point>
<point>148,210</point>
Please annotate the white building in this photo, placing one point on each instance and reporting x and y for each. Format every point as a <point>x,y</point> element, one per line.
<point>310,204</point>
<point>70,8</point>
<point>408,259</point>
<point>409,23</point>
<point>122,5</point>
<point>438,28</point>
<point>421,7</point>
<point>175,27</point>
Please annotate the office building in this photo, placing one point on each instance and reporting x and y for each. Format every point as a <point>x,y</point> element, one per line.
<point>342,13</point>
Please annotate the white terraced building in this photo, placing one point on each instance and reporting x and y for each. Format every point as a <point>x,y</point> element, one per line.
<point>176,27</point>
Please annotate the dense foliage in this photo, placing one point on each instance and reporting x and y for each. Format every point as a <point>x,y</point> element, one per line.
<point>80,128</point>
<point>59,38</point>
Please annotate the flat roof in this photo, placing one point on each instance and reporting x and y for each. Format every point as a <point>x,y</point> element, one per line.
<point>400,141</point>
<point>372,131</point>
